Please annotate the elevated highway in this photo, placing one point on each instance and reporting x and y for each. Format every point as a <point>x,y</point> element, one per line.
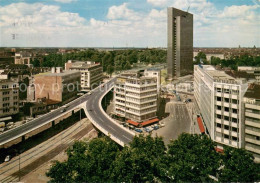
<point>91,103</point>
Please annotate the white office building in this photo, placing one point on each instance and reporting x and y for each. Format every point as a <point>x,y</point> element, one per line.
<point>135,96</point>
<point>91,73</point>
<point>219,98</point>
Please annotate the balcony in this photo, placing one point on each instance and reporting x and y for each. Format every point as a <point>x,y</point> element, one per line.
<point>218,112</point>
<point>226,122</point>
<point>218,94</point>
<point>253,124</point>
<point>226,132</point>
<point>235,97</point>
<point>252,149</point>
<point>218,130</point>
<point>218,120</point>
<point>219,103</point>
<point>253,115</point>
<point>252,106</point>
<point>226,104</point>
<point>253,141</point>
<point>235,106</point>
<point>252,132</point>
<point>234,134</point>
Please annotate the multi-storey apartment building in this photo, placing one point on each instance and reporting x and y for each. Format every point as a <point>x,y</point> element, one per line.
<point>252,121</point>
<point>9,97</point>
<point>57,85</point>
<point>135,97</point>
<point>91,73</point>
<point>219,98</point>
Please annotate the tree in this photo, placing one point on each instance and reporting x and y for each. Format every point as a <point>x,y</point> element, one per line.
<point>192,158</point>
<point>201,57</point>
<point>87,162</point>
<point>141,162</point>
<point>238,166</point>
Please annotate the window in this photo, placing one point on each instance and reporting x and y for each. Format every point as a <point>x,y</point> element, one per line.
<point>218,116</point>
<point>226,109</point>
<point>234,120</point>
<point>218,107</point>
<point>234,138</point>
<point>226,127</point>
<point>219,99</point>
<point>226,136</point>
<point>226,118</point>
<point>227,91</point>
<point>234,129</point>
<point>226,100</point>
<point>219,125</point>
<point>234,111</point>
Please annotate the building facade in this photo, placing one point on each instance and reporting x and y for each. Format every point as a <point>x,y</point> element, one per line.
<point>252,121</point>
<point>180,43</point>
<point>57,85</point>
<point>23,58</point>
<point>219,98</point>
<point>91,73</point>
<point>9,97</point>
<point>135,97</point>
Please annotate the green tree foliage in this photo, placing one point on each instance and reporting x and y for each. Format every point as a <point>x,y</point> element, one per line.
<point>238,166</point>
<point>201,57</point>
<point>190,158</point>
<point>111,60</point>
<point>140,162</point>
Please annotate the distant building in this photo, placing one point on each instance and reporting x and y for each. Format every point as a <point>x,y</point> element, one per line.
<point>135,97</point>
<point>180,43</point>
<point>252,121</point>
<point>57,85</point>
<point>219,98</point>
<point>9,97</point>
<point>91,73</point>
<point>23,58</point>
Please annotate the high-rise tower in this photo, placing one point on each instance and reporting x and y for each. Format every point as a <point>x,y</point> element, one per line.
<point>180,43</point>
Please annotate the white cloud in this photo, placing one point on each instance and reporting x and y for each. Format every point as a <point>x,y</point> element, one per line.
<point>46,25</point>
<point>122,12</point>
<point>65,1</point>
<point>159,3</point>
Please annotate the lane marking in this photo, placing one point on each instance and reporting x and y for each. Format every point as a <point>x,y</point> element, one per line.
<point>126,137</point>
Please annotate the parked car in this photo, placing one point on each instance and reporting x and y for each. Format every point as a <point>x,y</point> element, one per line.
<point>156,127</point>
<point>138,130</point>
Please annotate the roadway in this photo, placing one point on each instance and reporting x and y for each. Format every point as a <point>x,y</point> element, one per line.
<point>97,114</point>
<point>92,102</point>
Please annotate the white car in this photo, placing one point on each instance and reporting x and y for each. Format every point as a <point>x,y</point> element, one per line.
<point>7,158</point>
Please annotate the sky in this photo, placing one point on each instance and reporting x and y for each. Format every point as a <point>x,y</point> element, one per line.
<point>125,23</point>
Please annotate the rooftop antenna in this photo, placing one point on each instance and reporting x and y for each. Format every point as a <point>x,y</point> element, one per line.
<point>187,12</point>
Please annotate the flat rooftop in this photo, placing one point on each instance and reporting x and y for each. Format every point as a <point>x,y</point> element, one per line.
<point>83,64</point>
<point>63,73</point>
<point>253,91</point>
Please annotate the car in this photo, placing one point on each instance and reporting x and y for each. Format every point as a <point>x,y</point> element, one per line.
<point>63,110</point>
<point>156,127</point>
<point>138,130</point>
<point>7,158</point>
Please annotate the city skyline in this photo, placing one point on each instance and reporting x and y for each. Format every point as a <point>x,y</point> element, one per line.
<point>78,23</point>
